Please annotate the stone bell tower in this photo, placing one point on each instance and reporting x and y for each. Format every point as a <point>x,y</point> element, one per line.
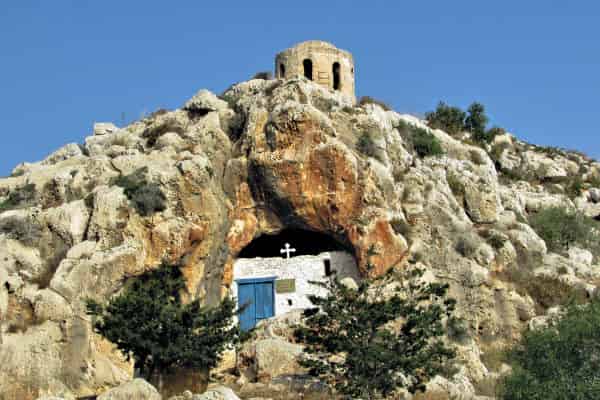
<point>320,62</point>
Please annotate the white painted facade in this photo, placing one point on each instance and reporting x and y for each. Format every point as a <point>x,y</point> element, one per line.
<point>303,269</point>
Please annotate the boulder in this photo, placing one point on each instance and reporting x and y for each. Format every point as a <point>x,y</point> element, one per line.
<point>217,393</point>
<point>205,101</point>
<point>103,128</point>
<point>137,389</point>
<point>581,256</point>
<point>64,153</point>
<point>272,357</point>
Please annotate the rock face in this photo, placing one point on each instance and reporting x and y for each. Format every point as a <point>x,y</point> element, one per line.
<point>262,157</point>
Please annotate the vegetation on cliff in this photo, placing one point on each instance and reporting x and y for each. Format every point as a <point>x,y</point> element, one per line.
<point>150,323</point>
<point>558,362</point>
<point>352,341</point>
<point>454,121</point>
<point>562,229</point>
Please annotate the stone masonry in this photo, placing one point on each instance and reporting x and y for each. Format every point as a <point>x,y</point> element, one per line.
<point>320,62</point>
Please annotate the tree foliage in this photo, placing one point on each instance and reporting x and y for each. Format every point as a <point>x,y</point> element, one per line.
<point>350,343</point>
<point>448,118</point>
<point>476,121</point>
<point>454,120</point>
<point>149,322</point>
<point>560,362</point>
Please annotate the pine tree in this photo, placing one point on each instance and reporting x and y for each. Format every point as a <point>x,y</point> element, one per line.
<point>476,121</point>
<point>149,322</point>
<point>349,342</point>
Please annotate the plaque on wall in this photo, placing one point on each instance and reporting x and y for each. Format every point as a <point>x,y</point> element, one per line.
<point>285,285</point>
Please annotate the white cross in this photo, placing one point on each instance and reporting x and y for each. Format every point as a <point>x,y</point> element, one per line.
<point>287,250</point>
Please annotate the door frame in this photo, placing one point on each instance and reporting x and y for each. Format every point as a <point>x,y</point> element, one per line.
<point>246,281</point>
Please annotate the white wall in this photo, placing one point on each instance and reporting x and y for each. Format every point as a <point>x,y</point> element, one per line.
<point>301,268</point>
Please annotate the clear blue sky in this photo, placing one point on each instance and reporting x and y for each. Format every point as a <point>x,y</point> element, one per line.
<point>65,64</point>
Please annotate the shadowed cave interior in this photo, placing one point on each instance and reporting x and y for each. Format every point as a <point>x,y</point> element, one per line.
<point>305,242</point>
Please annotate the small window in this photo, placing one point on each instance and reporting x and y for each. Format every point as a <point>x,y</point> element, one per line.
<point>281,71</point>
<point>290,302</point>
<point>327,267</point>
<point>308,69</point>
<point>336,76</point>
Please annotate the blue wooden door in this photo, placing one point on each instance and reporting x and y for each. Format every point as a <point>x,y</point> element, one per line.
<point>246,299</point>
<point>264,300</point>
<point>257,298</point>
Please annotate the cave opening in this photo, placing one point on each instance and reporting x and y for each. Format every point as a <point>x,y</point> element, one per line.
<point>304,242</point>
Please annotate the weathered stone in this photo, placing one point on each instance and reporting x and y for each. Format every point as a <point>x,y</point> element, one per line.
<point>103,128</point>
<point>205,101</point>
<point>64,153</point>
<point>581,256</point>
<point>217,393</point>
<point>322,59</point>
<point>136,389</point>
<point>273,357</point>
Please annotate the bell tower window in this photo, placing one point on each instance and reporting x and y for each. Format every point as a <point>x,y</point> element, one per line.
<point>336,76</point>
<point>308,68</point>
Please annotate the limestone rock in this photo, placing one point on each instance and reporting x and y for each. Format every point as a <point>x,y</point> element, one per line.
<point>595,195</point>
<point>264,157</point>
<point>103,128</point>
<point>217,393</point>
<point>581,256</point>
<point>205,101</point>
<point>64,153</point>
<point>273,358</point>
<point>349,283</point>
<point>136,389</point>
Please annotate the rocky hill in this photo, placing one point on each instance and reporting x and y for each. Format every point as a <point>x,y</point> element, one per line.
<point>264,156</point>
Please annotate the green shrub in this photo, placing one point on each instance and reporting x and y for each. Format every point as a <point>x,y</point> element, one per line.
<point>401,227</point>
<point>493,357</point>
<point>466,245</point>
<point>574,186</point>
<point>426,144</point>
<point>150,323</point>
<point>549,291</point>
<point>559,362</point>
<point>455,185</point>
<point>497,150</point>
<point>370,100</point>
<point>152,133</point>
<point>561,228</point>
<point>366,145</point>
<point>350,345</point>
<point>19,197</point>
<point>447,118</point>
<point>476,157</point>
<point>26,230</point>
<point>264,75</point>
<point>493,132</point>
<point>453,120</point>
<point>496,241</point>
<point>456,328</point>
<point>146,197</point>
